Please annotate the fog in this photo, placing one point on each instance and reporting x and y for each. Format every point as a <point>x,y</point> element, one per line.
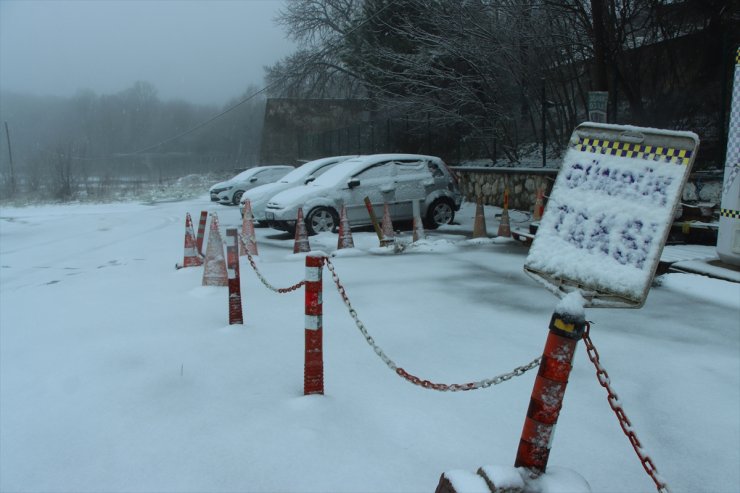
<point>200,51</point>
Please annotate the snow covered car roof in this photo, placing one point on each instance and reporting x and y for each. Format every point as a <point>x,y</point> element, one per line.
<point>354,166</point>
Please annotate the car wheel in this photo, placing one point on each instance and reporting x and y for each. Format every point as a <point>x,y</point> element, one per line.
<point>321,219</point>
<point>439,213</point>
<point>237,196</point>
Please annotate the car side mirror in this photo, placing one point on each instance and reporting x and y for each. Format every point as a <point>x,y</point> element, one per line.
<point>353,183</point>
<point>253,179</point>
<point>310,179</point>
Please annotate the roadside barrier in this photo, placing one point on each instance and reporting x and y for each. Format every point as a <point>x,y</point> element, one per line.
<point>191,257</point>
<point>549,388</point>
<point>313,368</point>
<point>301,244</point>
<point>624,422</point>
<point>201,231</point>
<point>214,269</point>
<point>539,205</point>
<point>344,239</point>
<point>418,224</point>
<point>386,226</point>
<point>555,366</point>
<point>247,239</point>
<point>235,295</point>
<point>504,227</point>
<point>479,225</point>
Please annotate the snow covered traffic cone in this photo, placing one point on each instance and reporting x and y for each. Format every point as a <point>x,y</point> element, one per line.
<point>504,227</point>
<point>345,233</point>
<point>191,258</point>
<point>214,270</point>
<point>386,226</point>
<point>201,231</point>
<point>539,205</point>
<point>248,239</point>
<point>418,226</point>
<point>479,226</point>
<point>301,235</point>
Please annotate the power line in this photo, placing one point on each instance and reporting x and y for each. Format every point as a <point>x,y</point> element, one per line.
<point>246,99</point>
<point>255,94</point>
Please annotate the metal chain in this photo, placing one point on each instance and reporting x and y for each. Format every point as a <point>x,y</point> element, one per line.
<point>624,422</point>
<point>266,283</point>
<point>441,387</point>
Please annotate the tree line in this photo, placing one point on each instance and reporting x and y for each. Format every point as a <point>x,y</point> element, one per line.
<point>58,146</point>
<point>498,72</point>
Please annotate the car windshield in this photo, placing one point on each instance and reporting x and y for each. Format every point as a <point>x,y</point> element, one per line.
<point>244,175</point>
<point>338,173</point>
<point>298,174</point>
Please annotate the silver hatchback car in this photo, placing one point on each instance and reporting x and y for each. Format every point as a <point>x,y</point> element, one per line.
<point>394,179</point>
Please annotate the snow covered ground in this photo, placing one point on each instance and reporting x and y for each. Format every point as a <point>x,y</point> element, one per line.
<point>119,373</point>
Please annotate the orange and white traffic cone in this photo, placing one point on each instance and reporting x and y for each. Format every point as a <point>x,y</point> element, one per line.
<point>191,258</point>
<point>386,226</point>
<point>301,235</point>
<point>539,205</point>
<point>214,270</point>
<point>248,239</point>
<point>201,231</point>
<point>345,233</point>
<point>504,227</point>
<point>479,226</point>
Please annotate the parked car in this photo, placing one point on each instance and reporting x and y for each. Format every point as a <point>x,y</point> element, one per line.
<point>395,179</point>
<point>302,175</point>
<point>230,191</point>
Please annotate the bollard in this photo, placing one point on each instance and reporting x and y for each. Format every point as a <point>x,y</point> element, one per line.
<point>201,231</point>
<point>549,387</point>
<point>313,369</point>
<point>232,268</point>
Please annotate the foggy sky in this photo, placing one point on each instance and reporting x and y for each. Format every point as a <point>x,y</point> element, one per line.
<point>202,51</point>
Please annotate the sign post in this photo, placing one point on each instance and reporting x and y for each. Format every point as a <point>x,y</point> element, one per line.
<point>599,244</point>
<point>597,106</point>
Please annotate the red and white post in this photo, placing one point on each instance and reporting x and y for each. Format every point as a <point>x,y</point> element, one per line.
<point>566,329</point>
<point>232,268</point>
<point>313,370</point>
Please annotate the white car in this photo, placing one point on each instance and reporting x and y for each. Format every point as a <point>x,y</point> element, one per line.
<point>302,175</point>
<point>395,179</point>
<point>230,191</point>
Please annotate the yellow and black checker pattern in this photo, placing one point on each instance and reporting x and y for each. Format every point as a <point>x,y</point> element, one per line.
<point>731,213</point>
<point>639,151</point>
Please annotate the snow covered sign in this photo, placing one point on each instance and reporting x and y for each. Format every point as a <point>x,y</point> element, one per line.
<point>610,212</point>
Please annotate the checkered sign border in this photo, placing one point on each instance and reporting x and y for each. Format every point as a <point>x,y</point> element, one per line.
<point>639,151</point>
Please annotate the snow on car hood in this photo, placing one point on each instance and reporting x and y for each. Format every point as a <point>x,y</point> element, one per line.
<point>298,195</point>
<point>222,184</point>
<point>264,192</point>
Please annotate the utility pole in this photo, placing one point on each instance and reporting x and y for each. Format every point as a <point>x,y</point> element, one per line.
<point>10,156</point>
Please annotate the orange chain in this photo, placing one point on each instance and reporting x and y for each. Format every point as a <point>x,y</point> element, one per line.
<point>624,421</point>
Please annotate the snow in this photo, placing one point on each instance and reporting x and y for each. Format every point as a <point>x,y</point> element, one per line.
<point>605,222</point>
<point>119,373</point>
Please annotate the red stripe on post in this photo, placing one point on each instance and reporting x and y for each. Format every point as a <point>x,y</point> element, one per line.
<point>542,413</point>
<point>531,456</point>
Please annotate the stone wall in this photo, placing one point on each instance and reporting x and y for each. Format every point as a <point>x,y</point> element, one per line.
<point>489,183</point>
